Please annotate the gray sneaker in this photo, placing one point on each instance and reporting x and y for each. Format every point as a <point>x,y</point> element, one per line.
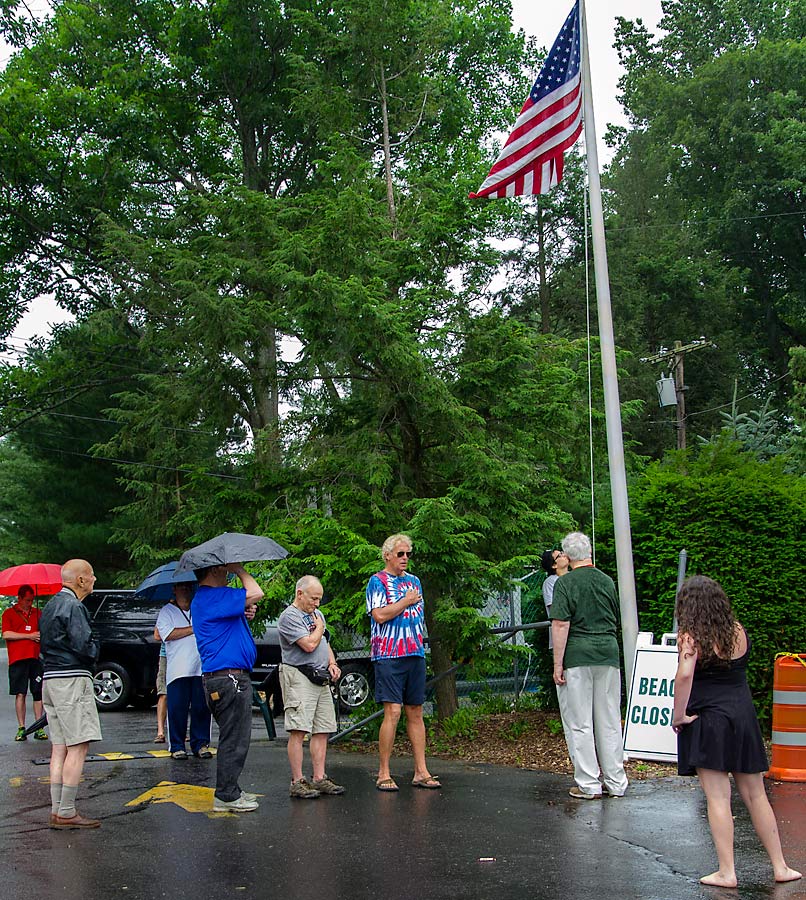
<point>326,786</point>
<point>578,794</point>
<point>239,805</point>
<point>248,796</point>
<point>303,790</point>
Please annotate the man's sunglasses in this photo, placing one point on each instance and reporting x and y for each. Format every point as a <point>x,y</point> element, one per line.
<point>401,553</point>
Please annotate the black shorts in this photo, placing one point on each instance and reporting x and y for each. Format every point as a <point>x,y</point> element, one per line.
<point>25,674</point>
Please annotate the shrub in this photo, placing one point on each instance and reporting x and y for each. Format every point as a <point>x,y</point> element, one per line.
<point>741,522</point>
<point>462,724</point>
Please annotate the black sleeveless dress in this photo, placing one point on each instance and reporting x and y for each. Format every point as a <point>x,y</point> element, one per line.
<point>726,736</point>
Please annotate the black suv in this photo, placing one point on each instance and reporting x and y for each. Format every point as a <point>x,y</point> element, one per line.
<point>126,671</point>
<point>123,625</point>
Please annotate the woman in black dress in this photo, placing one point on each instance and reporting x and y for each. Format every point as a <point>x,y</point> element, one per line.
<point>716,725</point>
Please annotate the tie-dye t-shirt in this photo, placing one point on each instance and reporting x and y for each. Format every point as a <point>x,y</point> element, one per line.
<point>403,635</point>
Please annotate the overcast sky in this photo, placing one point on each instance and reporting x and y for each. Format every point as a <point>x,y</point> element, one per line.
<point>541,19</point>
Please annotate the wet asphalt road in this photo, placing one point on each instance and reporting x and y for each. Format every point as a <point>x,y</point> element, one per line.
<point>414,844</point>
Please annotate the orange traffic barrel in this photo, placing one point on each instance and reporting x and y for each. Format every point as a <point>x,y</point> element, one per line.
<point>789,718</point>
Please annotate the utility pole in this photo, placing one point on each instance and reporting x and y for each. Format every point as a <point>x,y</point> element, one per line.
<point>680,392</point>
<point>677,353</point>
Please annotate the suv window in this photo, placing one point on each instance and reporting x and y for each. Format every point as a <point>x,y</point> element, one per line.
<point>122,607</point>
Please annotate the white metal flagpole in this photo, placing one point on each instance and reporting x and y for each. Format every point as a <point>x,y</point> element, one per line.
<point>615,444</point>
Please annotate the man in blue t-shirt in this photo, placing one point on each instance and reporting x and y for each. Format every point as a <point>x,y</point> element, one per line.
<point>227,650</point>
<point>395,606</point>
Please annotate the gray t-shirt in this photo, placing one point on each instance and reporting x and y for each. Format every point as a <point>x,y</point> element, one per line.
<point>294,624</point>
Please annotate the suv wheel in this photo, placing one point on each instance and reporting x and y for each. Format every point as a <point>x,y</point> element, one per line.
<point>355,685</point>
<point>112,686</point>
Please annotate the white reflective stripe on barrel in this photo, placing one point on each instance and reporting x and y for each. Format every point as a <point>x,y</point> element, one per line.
<point>791,698</point>
<point>789,738</point>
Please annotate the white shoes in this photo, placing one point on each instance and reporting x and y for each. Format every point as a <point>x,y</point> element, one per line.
<point>244,803</point>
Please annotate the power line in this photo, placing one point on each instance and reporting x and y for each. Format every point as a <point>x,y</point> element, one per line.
<point>702,412</point>
<point>115,422</point>
<point>760,390</point>
<point>689,224</point>
<point>131,462</point>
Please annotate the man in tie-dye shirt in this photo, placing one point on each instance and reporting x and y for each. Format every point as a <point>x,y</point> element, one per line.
<point>395,606</point>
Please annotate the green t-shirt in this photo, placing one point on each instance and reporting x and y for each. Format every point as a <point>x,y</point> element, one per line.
<point>586,598</point>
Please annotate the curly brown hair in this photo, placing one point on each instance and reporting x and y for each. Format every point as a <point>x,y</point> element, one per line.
<point>703,610</point>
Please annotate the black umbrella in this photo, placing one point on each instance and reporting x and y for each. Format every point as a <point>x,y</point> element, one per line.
<point>41,722</point>
<point>230,547</point>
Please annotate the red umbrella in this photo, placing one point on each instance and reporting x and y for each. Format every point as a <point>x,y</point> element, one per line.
<point>44,578</point>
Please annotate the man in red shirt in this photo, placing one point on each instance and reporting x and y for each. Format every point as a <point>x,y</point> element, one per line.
<point>20,630</point>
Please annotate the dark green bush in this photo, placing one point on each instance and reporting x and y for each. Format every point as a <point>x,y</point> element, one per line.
<point>742,522</point>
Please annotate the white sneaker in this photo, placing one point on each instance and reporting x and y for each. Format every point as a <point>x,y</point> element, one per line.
<point>239,805</point>
<point>249,797</point>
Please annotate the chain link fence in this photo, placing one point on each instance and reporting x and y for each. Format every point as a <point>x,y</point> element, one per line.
<point>530,670</point>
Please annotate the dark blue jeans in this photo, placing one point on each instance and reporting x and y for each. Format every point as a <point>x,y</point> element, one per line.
<point>229,699</point>
<point>187,694</point>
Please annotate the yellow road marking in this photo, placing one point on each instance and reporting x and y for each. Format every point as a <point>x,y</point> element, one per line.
<point>118,756</point>
<point>190,797</point>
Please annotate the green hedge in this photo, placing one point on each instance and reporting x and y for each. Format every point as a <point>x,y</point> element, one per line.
<point>741,522</point>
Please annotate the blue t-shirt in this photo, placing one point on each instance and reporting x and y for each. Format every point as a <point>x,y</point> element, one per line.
<point>403,635</point>
<point>222,632</point>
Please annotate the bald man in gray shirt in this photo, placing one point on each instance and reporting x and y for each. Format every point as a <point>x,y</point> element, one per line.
<point>307,671</point>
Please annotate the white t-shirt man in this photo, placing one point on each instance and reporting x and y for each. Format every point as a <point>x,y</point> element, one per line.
<point>182,654</point>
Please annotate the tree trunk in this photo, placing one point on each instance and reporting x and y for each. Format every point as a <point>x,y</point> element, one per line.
<point>387,155</point>
<point>543,288</point>
<point>444,690</point>
<point>265,389</point>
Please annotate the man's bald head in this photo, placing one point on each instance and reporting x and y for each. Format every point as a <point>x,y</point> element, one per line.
<point>77,575</point>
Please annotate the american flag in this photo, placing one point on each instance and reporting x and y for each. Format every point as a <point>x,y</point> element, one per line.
<point>531,161</point>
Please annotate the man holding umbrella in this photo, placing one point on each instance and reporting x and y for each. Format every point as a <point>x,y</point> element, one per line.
<point>228,652</point>
<point>21,633</point>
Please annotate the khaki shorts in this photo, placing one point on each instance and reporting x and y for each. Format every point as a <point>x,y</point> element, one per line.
<point>71,710</point>
<point>308,706</point>
<point>162,687</point>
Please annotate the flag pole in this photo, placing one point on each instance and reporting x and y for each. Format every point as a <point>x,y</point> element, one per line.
<point>615,444</point>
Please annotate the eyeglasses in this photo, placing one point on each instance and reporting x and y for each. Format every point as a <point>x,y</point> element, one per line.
<point>402,553</point>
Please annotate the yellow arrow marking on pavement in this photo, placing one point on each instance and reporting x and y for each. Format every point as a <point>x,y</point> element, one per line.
<point>113,756</point>
<point>190,797</point>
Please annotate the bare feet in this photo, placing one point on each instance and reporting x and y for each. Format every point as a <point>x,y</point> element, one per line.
<point>718,879</point>
<point>788,875</point>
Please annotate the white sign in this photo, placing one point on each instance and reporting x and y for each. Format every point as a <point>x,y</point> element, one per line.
<point>648,729</point>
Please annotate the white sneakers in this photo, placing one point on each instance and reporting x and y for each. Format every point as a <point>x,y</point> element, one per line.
<point>244,803</point>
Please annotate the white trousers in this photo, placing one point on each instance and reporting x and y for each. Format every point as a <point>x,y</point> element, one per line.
<point>592,707</point>
<point>562,701</point>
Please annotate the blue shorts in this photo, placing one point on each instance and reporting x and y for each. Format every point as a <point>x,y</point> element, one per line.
<point>400,680</point>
